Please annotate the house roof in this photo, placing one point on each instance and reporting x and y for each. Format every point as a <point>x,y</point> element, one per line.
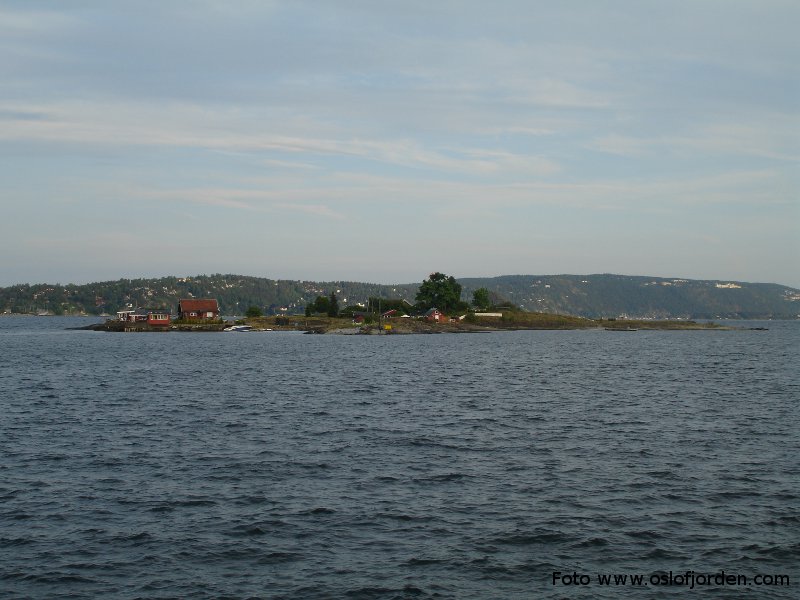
<point>432,311</point>
<point>204,305</point>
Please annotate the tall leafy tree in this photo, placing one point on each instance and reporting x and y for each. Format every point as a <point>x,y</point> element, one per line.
<point>333,305</point>
<point>440,291</point>
<point>481,298</point>
<point>320,305</point>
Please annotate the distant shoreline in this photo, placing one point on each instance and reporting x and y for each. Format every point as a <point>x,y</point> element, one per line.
<point>417,326</point>
<point>593,296</point>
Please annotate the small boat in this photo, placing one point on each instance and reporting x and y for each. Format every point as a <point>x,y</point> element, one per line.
<point>238,328</point>
<point>621,329</point>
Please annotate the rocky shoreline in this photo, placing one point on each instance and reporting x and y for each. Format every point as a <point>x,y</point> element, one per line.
<point>340,326</point>
<point>123,327</point>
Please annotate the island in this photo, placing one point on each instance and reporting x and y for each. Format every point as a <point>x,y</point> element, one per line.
<point>405,325</point>
<point>439,308</point>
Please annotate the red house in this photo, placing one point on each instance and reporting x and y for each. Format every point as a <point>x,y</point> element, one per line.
<point>158,318</point>
<point>198,309</point>
<point>434,315</point>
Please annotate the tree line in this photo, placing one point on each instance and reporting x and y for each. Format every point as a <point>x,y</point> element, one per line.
<point>437,291</point>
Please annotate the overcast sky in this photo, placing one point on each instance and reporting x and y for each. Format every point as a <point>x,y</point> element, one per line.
<point>381,141</point>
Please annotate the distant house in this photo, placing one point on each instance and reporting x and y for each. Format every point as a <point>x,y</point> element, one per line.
<point>158,318</point>
<point>198,309</point>
<point>434,315</point>
<point>155,317</point>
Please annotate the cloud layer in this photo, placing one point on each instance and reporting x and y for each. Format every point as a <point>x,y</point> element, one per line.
<point>356,140</point>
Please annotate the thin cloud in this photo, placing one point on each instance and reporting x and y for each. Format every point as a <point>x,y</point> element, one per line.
<point>82,125</point>
<point>618,123</point>
<point>317,210</point>
<point>771,138</point>
<point>247,200</point>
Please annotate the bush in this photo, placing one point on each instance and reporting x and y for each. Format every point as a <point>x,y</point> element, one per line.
<point>253,312</point>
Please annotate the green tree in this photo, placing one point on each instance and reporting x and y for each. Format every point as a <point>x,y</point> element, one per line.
<point>333,306</point>
<point>254,311</point>
<point>320,305</point>
<point>481,299</point>
<point>439,291</point>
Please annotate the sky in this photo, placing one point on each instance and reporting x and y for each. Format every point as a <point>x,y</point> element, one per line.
<point>382,141</point>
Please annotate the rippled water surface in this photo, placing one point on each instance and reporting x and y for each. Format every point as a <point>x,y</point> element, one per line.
<point>280,465</point>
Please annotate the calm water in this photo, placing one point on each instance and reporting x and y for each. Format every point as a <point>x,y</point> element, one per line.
<point>280,465</point>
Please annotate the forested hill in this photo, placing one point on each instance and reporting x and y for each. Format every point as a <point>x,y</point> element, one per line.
<point>582,295</point>
<point>235,294</point>
<point>647,297</point>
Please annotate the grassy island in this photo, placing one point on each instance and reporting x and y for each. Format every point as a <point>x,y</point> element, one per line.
<point>508,322</point>
<point>439,308</point>
<point>470,323</point>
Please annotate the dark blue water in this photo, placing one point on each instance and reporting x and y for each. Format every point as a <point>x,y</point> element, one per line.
<point>280,465</point>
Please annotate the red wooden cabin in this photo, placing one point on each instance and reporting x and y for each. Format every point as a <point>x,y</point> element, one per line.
<point>192,309</point>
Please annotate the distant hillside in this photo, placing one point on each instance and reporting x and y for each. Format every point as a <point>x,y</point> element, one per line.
<point>580,295</point>
<point>235,294</point>
<point>645,297</point>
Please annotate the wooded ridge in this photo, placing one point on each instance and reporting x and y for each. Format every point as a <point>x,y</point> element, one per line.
<point>593,296</point>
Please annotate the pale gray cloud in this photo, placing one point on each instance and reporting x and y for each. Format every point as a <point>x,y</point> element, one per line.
<point>626,136</point>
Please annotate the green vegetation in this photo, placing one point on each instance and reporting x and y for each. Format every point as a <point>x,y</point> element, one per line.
<point>596,296</point>
<point>253,311</point>
<point>381,305</point>
<point>349,311</point>
<point>526,320</point>
<point>333,306</point>
<point>321,305</point>
<point>324,305</point>
<point>591,296</point>
<point>625,324</point>
<point>481,299</point>
<point>198,322</point>
<point>440,291</point>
